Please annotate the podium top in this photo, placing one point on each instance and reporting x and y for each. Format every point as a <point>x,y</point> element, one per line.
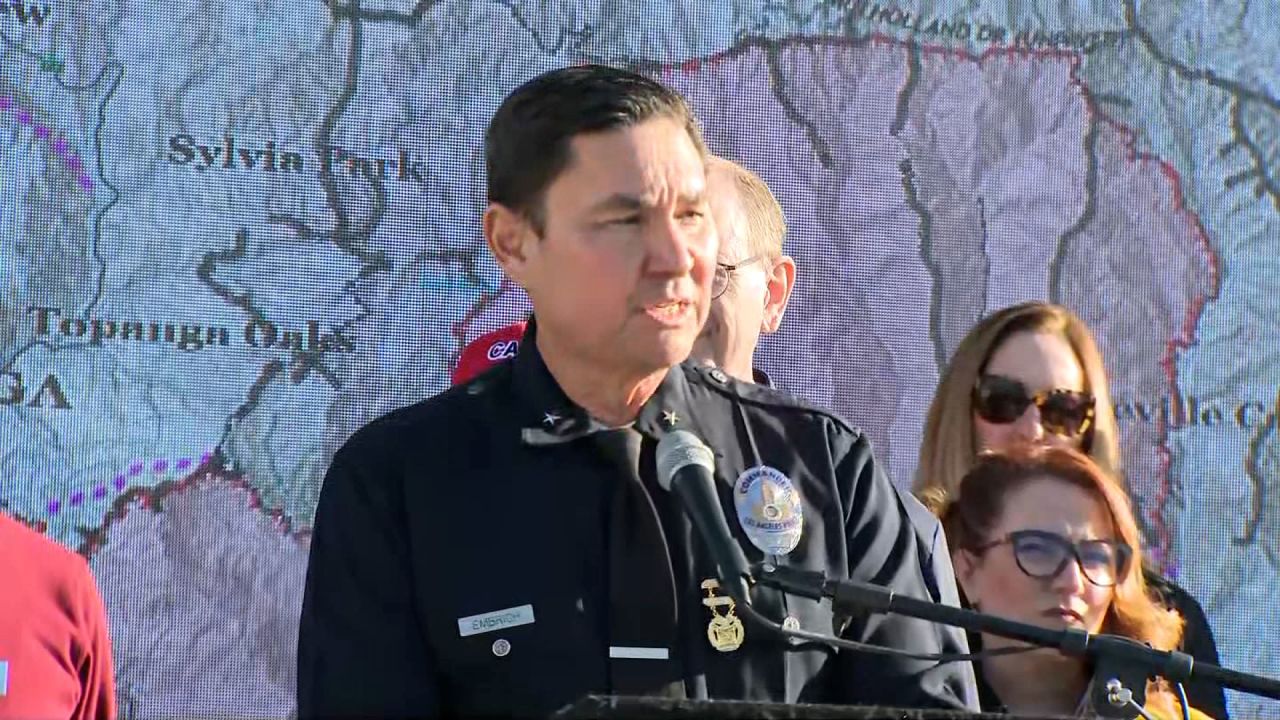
<point>612,706</point>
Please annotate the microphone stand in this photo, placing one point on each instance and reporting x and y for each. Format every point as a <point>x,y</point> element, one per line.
<point>1121,665</point>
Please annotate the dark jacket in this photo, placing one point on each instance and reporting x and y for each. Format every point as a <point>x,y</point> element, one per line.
<point>935,557</point>
<point>489,497</point>
<point>1197,641</point>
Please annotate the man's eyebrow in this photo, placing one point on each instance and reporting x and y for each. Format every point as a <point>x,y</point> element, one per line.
<point>619,201</point>
<point>628,201</point>
<point>693,198</point>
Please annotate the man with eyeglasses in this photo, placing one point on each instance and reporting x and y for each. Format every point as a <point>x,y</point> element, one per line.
<point>753,278</point>
<point>750,290</point>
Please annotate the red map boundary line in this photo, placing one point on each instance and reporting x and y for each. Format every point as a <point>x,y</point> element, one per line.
<point>209,474</point>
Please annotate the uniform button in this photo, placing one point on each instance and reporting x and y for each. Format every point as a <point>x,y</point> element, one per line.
<point>718,375</point>
<point>501,647</point>
<point>791,623</point>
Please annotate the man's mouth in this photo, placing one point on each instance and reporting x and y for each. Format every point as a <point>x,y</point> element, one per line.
<point>668,311</point>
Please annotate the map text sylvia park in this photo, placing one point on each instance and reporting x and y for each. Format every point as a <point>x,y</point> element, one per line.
<point>226,154</point>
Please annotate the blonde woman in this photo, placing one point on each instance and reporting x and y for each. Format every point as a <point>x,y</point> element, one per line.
<point>1042,535</point>
<point>1032,373</point>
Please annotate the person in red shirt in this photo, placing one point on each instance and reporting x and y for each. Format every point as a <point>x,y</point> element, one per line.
<point>55,653</point>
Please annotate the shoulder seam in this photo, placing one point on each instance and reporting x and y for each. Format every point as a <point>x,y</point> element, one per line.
<point>785,401</point>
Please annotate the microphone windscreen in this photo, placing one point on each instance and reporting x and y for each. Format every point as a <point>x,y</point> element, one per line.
<point>679,449</point>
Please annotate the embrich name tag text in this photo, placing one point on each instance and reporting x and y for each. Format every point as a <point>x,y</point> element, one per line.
<point>496,620</point>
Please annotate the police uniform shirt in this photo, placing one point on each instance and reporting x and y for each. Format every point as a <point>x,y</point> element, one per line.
<point>459,556</point>
<point>935,558</point>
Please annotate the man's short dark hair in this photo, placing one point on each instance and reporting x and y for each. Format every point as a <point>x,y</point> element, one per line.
<point>527,143</point>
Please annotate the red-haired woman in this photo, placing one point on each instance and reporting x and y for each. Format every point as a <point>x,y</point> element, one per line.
<point>1042,535</point>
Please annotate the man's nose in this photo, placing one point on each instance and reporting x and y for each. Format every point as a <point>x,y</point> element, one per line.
<point>668,248</point>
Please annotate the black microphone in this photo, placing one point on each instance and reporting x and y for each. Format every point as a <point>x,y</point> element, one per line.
<point>685,467</point>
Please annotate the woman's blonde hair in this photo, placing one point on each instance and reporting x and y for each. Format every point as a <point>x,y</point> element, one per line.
<point>948,448</point>
<point>972,511</point>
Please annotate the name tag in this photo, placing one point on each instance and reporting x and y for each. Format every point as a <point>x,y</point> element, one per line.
<point>4,678</point>
<point>618,652</point>
<point>496,620</point>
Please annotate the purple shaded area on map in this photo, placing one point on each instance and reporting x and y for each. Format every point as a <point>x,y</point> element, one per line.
<point>839,181</point>
<point>236,623</point>
<point>1161,270</point>
<point>919,200</point>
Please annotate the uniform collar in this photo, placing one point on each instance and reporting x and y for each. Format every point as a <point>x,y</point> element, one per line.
<point>761,377</point>
<point>549,417</point>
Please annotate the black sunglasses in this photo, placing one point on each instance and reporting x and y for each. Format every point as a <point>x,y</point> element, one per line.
<point>1002,400</point>
<point>1044,555</point>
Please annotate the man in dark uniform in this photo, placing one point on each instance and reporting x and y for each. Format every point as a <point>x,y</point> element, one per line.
<point>504,547</point>
<point>749,295</point>
<point>754,275</point>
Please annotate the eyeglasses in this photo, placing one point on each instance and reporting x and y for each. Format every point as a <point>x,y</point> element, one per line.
<point>1044,555</point>
<point>1002,400</point>
<point>720,281</point>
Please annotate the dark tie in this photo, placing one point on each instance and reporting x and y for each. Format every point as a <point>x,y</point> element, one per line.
<point>643,631</point>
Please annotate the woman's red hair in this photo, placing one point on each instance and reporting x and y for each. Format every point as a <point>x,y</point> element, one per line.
<point>970,517</point>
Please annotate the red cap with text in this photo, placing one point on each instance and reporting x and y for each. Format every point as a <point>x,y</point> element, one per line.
<point>488,350</point>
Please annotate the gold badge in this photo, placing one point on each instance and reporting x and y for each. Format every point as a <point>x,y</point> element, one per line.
<point>724,631</point>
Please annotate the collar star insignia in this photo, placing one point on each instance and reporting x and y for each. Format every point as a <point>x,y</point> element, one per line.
<point>670,418</point>
<point>550,419</point>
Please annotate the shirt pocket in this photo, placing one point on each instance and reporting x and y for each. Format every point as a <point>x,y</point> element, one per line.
<point>529,664</point>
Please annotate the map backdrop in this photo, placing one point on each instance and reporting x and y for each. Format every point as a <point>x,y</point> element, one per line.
<point>232,232</point>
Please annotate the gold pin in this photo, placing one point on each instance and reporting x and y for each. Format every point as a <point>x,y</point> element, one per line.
<point>725,631</point>
<point>670,418</point>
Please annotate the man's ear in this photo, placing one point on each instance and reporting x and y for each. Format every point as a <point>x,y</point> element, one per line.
<point>782,278</point>
<point>509,236</point>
